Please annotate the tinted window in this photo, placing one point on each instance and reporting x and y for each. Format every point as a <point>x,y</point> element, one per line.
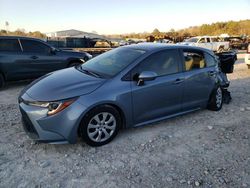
<point>215,39</point>
<point>194,39</point>
<point>9,45</point>
<point>202,40</point>
<point>193,60</point>
<point>113,61</point>
<point>162,63</point>
<point>210,60</point>
<point>35,47</point>
<point>208,39</point>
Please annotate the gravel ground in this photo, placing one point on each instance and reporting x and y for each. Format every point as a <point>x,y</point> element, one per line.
<point>205,148</point>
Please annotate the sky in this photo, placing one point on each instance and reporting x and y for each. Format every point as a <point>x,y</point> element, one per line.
<point>118,16</point>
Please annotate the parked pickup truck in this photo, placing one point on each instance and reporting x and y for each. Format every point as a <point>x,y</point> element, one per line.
<point>211,43</point>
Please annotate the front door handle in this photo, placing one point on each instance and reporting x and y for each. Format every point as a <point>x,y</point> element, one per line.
<point>178,80</point>
<point>33,57</point>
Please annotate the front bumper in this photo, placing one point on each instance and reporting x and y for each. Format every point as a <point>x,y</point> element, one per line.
<point>58,128</point>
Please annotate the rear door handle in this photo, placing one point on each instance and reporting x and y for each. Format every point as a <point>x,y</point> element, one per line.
<point>178,80</point>
<point>33,57</point>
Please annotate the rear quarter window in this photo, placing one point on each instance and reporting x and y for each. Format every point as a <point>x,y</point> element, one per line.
<point>10,45</point>
<point>210,60</point>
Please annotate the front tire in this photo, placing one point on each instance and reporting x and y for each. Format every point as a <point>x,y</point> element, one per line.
<point>2,82</point>
<point>216,99</point>
<point>73,64</point>
<point>100,125</point>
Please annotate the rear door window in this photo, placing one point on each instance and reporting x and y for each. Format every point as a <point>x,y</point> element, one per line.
<point>193,60</point>
<point>31,46</point>
<point>202,40</point>
<point>10,45</point>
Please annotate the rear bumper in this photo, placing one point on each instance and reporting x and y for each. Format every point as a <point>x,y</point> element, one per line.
<point>59,128</point>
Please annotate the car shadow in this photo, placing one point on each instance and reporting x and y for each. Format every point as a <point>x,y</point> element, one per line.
<point>16,84</point>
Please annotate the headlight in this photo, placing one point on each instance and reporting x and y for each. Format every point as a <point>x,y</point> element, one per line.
<point>53,107</point>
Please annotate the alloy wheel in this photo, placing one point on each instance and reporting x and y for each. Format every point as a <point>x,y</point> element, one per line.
<point>101,127</point>
<point>218,97</point>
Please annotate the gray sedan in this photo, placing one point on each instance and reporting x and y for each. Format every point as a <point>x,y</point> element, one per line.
<point>126,87</point>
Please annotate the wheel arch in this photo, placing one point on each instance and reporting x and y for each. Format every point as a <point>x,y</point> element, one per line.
<point>73,60</point>
<point>119,109</point>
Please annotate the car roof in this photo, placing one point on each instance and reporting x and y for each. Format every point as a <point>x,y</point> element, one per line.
<point>159,46</point>
<point>19,37</point>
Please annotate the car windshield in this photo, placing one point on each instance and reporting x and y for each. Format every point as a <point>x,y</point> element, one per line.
<point>112,62</point>
<point>194,39</point>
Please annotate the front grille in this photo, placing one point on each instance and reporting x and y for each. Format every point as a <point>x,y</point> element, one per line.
<point>28,126</point>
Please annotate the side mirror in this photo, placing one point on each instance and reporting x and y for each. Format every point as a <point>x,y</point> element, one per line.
<point>146,76</point>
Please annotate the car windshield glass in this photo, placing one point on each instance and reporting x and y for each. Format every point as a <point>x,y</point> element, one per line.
<point>112,62</point>
<point>192,40</point>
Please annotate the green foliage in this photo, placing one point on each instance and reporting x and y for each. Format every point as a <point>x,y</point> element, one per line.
<point>232,28</point>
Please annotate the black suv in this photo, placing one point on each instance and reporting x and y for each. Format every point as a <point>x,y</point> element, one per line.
<point>28,58</point>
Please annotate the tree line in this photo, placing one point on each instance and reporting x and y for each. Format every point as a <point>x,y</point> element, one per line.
<point>22,32</point>
<point>232,28</point>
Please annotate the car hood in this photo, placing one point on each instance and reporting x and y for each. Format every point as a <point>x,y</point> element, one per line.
<point>63,84</point>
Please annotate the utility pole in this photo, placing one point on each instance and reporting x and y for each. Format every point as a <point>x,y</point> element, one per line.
<point>7,26</point>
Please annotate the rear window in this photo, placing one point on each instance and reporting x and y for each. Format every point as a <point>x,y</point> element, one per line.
<point>9,45</point>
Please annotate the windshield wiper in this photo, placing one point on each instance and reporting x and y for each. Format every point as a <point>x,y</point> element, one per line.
<point>89,72</point>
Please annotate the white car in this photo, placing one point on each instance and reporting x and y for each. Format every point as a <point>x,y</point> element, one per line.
<point>211,43</point>
<point>247,56</point>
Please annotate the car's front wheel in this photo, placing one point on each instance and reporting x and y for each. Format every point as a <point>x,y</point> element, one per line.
<point>216,99</point>
<point>1,81</point>
<point>74,63</point>
<point>100,125</point>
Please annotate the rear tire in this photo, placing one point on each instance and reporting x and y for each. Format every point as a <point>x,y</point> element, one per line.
<point>2,81</point>
<point>248,66</point>
<point>100,125</point>
<point>216,99</point>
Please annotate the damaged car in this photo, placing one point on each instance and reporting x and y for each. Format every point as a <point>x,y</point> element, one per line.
<point>128,86</point>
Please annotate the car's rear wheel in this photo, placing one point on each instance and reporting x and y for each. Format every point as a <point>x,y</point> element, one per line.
<point>248,66</point>
<point>2,82</point>
<point>216,99</point>
<point>100,125</point>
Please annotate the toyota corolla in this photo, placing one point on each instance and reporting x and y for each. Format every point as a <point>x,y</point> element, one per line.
<point>126,87</point>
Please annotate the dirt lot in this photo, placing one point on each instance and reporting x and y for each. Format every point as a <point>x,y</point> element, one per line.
<point>205,148</point>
